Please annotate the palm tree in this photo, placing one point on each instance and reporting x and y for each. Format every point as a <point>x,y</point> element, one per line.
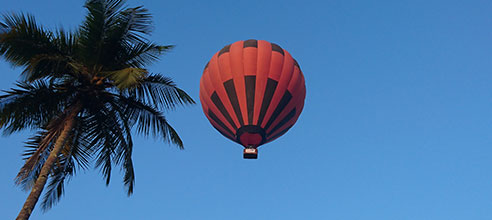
<point>84,91</point>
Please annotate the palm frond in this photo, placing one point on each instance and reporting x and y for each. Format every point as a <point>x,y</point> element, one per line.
<point>129,178</point>
<point>110,29</point>
<point>75,154</point>
<point>102,142</point>
<point>24,39</point>
<point>55,188</point>
<point>150,121</point>
<point>38,148</point>
<point>49,66</point>
<point>126,78</point>
<point>142,54</point>
<point>3,28</point>
<point>110,136</point>
<point>124,151</point>
<point>41,145</point>
<point>135,55</point>
<point>135,22</point>
<point>79,146</point>
<point>31,105</point>
<point>93,30</point>
<point>43,54</point>
<point>58,63</point>
<point>160,92</point>
<point>128,26</point>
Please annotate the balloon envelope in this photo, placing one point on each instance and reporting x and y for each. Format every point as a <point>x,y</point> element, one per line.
<point>252,92</point>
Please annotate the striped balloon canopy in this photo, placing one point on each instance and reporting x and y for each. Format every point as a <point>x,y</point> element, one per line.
<point>252,92</point>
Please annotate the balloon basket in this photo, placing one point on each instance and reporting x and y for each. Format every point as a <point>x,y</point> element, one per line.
<point>250,153</point>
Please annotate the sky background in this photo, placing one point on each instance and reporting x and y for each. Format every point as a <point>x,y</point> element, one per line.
<point>397,122</point>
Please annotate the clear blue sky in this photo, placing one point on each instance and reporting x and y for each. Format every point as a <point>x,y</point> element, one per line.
<point>397,122</point>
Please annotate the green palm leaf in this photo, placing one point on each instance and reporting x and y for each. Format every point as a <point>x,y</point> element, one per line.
<point>150,121</point>
<point>160,92</point>
<point>31,105</point>
<point>24,39</point>
<point>126,78</point>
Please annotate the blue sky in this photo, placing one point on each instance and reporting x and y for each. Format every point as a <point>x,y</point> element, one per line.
<point>397,121</point>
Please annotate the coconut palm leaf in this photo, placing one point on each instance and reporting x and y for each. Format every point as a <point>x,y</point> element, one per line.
<point>58,63</point>
<point>139,55</point>
<point>109,30</point>
<point>75,154</point>
<point>123,154</point>
<point>41,144</point>
<point>37,152</point>
<point>110,135</point>
<point>31,105</point>
<point>149,121</point>
<point>160,92</point>
<point>24,39</point>
<point>41,52</point>
<point>126,78</point>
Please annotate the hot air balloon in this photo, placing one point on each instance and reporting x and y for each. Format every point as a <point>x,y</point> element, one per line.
<point>252,92</point>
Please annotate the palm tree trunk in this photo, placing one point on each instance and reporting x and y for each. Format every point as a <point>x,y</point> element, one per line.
<point>38,187</point>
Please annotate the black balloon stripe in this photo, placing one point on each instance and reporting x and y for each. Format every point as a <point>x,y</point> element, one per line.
<point>277,48</point>
<point>221,124</point>
<point>296,64</point>
<point>231,93</point>
<point>286,119</point>
<point>267,98</point>
<point>225,49</point>
<point>218,103</point>
<point>250,83</point>
<point>281,105</point>
<point>250,43</point>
